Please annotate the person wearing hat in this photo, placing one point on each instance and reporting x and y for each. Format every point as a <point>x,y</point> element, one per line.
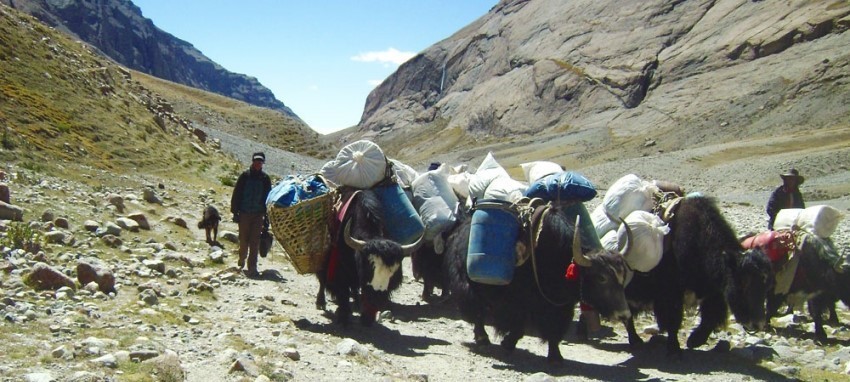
<point>248,205</point>
<point>785,196</point>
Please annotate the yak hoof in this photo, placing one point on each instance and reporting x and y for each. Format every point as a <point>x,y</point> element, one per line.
<point>698,338</point>
<point>482,341</point>
<point>555,360</point>
<point>509,345</point>
<point>635,342</point>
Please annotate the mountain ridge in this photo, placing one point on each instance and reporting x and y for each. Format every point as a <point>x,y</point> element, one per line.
<point>118,29</point>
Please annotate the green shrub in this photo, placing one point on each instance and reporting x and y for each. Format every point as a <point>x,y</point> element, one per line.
<point>7,141</point>
<point>21,236</point>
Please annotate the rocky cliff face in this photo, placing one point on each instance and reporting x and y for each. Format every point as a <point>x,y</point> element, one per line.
<point>118,29</point>
<point>627,68</point>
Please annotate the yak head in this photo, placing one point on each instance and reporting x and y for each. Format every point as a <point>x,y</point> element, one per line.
<point>753,279</point>
<point>378,263</point>
<point>602,276</point>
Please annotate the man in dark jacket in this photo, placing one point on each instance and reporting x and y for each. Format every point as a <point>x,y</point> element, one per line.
<point>248,205</point>
<point>786,196</point>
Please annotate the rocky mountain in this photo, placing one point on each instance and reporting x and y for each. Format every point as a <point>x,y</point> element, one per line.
<point>673,74</point>
<point>119,30</point>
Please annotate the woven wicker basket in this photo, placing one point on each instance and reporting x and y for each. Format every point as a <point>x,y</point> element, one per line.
<point>302,231</point>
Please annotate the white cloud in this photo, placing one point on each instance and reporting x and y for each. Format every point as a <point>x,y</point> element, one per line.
<point>391,55</point>
<point>375,83</point>
<point>313,88</point>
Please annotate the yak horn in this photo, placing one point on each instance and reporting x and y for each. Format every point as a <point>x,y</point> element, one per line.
<point>627,248</point>
<point>408,249</point>
<point>579,257</point>
<point>355,244</point>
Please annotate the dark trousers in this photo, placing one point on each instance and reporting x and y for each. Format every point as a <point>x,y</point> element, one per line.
<point>250,227</point>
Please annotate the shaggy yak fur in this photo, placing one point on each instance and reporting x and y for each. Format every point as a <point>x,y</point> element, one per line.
<point>701,255</point>
<point>209,222</point>
<point>600,284</point>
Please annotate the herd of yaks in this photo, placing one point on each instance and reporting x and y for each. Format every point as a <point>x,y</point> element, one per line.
<point>511,253</point>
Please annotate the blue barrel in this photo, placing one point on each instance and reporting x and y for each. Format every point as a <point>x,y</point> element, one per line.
<point>401,221</point>
<point>493,234</point>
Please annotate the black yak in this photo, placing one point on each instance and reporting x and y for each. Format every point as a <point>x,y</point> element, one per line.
<point>701,255</point>
<point>539,292</point>
<point>816,279</point>
<point>363,265</point>
<point>428,265</point>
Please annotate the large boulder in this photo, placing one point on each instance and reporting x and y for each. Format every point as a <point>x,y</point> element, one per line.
<point>44,277</point>
<point>93,270</point>
<point>11,212</point>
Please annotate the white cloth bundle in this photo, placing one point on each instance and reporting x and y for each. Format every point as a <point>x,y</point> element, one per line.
<point>538,169</point>
<point>360,164</point>
<point>435,201</point>
<point>821,220</point>
<point>628,194</point>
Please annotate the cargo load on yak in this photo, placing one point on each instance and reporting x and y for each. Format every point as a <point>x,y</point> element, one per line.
<point>435,200</point>
<point>645,204</point>
<point>627,194</point>
<point>821,220</point>
<point>647,240</point>
<point>492,182</point>
<point>299,208</point>
<point>563,186</point>
<point>362,165</point>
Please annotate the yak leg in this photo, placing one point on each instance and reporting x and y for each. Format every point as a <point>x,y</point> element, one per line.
<point>552,323</point>
<point>815,306</point>
<point>713,313</point>
<point>773,303</point>
<point>833,315</point>
<point>481,337</point>
<point>634,339</point>
<point>668,314</point>
<point>515,324</point>
<point>321,302</point>
<point>427,289</point>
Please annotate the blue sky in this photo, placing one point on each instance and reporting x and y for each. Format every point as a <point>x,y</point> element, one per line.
<point>321,58</point>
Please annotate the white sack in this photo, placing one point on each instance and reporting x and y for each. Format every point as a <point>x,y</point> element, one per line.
<point>610,241</point>
<point>487,171</point>
<point>647,244</point>
<point>360,164</point>
<point>460,184</point>
<point>821,220</point>
<point>538,169</point>
<point>404,173</point>
<point>601,222</point>
<point>506,189</point>
<point>628,194</point>
<point>435,201</point>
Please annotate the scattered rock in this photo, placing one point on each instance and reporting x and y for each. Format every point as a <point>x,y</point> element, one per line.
<point>93,271</point>
<point>91,225</point>
<point>128,224</point>
<point>43,276</point>
<point>11,212</point>
<point>150,196</point>
<point>349,346</point>
<point>245,364</point>
<point>140,219</point>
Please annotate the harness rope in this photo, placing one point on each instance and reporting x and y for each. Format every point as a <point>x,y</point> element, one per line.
<point>535,228</point>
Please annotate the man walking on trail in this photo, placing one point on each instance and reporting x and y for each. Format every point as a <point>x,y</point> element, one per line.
<point>248,205</point>
<point>787,195</point>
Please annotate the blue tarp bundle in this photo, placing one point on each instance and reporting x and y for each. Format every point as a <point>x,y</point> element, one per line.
<point>565,185</point>
<point>295,188</point>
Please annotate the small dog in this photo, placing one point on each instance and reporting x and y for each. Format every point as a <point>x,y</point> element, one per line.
<point>210,224</point>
